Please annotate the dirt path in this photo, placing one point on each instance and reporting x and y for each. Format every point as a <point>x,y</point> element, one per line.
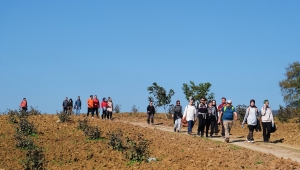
<point>279,150</point>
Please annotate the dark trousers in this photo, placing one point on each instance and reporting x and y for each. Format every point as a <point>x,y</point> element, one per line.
<point>109,115</point>
<point>65,109</point>
<point>24,109</point>
<point>190,126</point>
<point>250,134</point>
<point>97,112</point>
<point>104,113</point>
<point>266,130</point>
<point>150,116</point>
<point>90,110</point>
<point>201,123</point>
<point>211,122</point>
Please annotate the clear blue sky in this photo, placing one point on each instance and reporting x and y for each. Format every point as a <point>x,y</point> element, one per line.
<point>53,49</point>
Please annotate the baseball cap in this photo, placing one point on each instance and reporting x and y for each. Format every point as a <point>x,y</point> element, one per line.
<point>229,101</point>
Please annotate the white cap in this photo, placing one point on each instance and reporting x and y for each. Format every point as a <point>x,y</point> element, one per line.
<point>229,101</point>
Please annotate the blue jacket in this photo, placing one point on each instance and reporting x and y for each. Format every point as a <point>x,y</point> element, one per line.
<point>228,113</point>
<point>78,104</point>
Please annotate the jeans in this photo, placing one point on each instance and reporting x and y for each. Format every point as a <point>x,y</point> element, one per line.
<point>227,126</point>
<point>266,130</point>
<point>201,123</point>
<point>104,113</point>
<point>97,111</point>
<point>77,111</point>
<point>109,115</point>
<point>250,134</point>
<point>88,112</point>
<point>190,126</point>
<point>150,116</point>
<point>177,124</point>
<point>211,122</point>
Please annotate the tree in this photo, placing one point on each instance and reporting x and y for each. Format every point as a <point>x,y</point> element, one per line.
<point>241,111</point>
<point>160,96</point>
<point>196,92</point>
<point>290,87</point>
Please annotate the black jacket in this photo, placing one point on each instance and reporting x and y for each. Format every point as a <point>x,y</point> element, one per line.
<point>150,109</point>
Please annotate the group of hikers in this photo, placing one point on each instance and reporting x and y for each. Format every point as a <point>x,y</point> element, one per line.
<point>93,107</point>
<point>210,116</point>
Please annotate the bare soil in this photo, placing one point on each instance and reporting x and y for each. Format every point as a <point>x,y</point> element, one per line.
<point>66,147</point>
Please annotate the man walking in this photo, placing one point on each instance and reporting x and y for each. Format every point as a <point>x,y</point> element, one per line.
<point>202,117</point>
<point>219,110</point>
<point>65,105</point>
<point>23,104</point>
<point>90,104</point>
<point>227,114</point>
<point>150,113</point>
<point>77,106</point>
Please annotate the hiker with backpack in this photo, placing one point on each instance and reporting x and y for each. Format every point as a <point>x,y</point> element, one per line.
<point>202,118</point>
<point>267,120</point>
<point>251,117</point>
<point>177,116</point>
<point>110,108</point>
<point>77,106</point>
<point>150,113</point>
<point>227,115</point>
<point>220,110</point>
<point>23,105</point>
<point>211,120</point>
<point>104,108</point>
<point>190,115</point>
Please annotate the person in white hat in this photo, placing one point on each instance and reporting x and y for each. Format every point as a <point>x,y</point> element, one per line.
<point>227,114</point>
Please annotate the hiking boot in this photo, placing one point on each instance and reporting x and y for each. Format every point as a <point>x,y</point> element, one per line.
<point>174,129</point>
<point>178,131</point>
<point>227,140</point>
<point>248,140</point>
<point>252,141</point>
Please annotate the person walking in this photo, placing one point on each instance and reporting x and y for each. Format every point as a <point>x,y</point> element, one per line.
<point>251,117</point>
<point>220,110</point>
<point>90,103</point>
<point>104,108</point>
<point>177,116</point>
<point>216,128</point>
<point>96,105</point>
<point>202,117</point>
<point>110,108</point>
<point>65,105</point>
<point>150,113</point>
<point>267,120</point>
<point>190,115</point>
<point>211,118</point>
<point>23,105</point>
<point>77,106</point>
<point>227,115</point>
<point>70,106</point>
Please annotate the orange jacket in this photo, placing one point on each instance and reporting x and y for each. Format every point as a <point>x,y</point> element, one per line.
<point>90,103</point>
<point>23,103</point>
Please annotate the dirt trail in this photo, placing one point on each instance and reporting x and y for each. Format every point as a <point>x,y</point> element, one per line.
<point>279,150</point>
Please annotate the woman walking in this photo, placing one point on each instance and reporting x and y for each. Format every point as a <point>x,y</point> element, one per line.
<point>216,128</point>
<point>267,120</point>
<point>251,117</point>
<point>211,118</point>
<point>190,116</point>
<point>104,108</point>
<point>177,115</point>
<point>70,106</point>
<point>110,108</point>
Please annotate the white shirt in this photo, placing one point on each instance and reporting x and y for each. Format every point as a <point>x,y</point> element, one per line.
<point>190,113</point>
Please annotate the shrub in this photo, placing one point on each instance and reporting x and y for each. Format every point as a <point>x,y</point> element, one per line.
<point>137,151</point>
<point>92,132</point>
<point>115,140</point>
<point>12,116</point>
<point>25,127</point>
<point>241,111</point>
<point>22,142</point>
<point>63,117</point>
<point>284,114</point>
<point>117,108</point>
<point>34,111</point>
<point>82,125</point>
<point>134,109</point>
<point>34,159</point>
<point>170,110</point>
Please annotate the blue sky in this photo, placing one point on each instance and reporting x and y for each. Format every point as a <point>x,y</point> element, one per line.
<point>53,49</point>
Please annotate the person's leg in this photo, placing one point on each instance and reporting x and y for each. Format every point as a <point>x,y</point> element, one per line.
<point>264,125</point>
<point>93,111</point>
<point>179,124</point>
<point>190,126</point>
<point>199,124</point>
<point>207,124</point>
<point>212,125</point>
<point>175,124</point>
<point>102,113</point>
<point>97,112</point>
<point>110,115</point>
<point>152,118</point>
<point>223,129</point>
<point>269,126</point>
<point>148,118</point>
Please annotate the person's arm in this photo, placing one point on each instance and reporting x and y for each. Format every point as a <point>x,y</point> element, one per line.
<point>195,114</point>
<point>148,110</point>
<point>271,116</point>
<point>263,110</point>
<point>246,115</point>
<point>221,113</point>
<point>185,112</point>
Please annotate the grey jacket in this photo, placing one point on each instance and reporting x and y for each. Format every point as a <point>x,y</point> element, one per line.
<point>65,103</point>
<point>177,112</point>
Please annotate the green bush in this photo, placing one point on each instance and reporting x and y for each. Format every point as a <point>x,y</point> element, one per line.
<point>12,116</point>
<point>137,151</point>
<point>34,111</point>
<point>115,140</point>
<point>22,142</point>
<point>25,127</point>
<point>82,125</point>
<point>92,132</point>
<point>34,159</point>
<point>63,117</point>
<point>284,114</point>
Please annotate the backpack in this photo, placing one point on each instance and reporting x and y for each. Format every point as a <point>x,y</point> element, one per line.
<point>226,107</point>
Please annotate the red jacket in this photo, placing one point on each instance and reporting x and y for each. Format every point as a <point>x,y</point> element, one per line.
<point>23,103</point>
<point>221,106</point>
<point>96,103</point>
<point>103,104</point>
